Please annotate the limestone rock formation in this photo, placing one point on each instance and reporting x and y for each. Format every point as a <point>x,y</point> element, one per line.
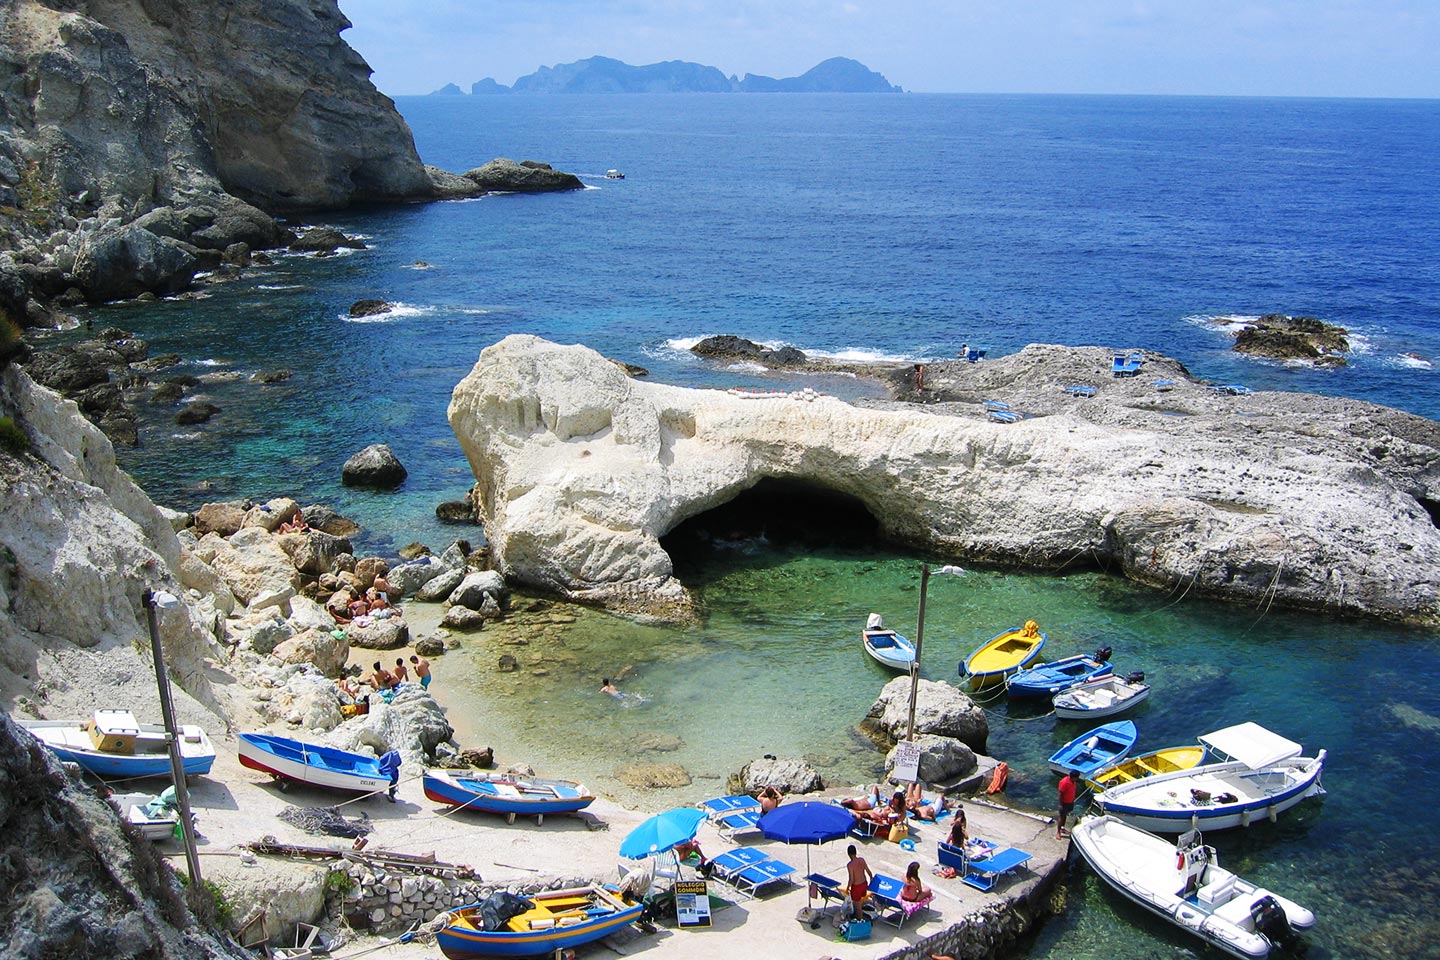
<point>1305,501</point>
<point>375,466</point>
<point>942,759</point>
<point>786,774</point>
<point>527,177</point>
<point>940,710</point>
<point>412,723</point>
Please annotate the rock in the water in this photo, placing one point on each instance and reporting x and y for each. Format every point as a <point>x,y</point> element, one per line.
<point>429,646</point>
<point>940,709</point>
<point>1281,337</point>
<point>476,586</point>
<point>783,773</point>
<point>325,240</point>
<point>654,776</point>
<point>197,412</point>
<point>369,308</point>
<point>737,348</point>
<point>463,619</point>
<point>455,511</point>
<point>320,517</point>
<point>508,176</point>
<point>413,550</point>
<point>272,376</point>
<point>375,466</point>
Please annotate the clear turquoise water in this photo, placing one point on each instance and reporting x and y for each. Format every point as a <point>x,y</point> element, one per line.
<point>896,227</point>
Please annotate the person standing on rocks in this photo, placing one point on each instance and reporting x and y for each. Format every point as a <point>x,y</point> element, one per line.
<point>422,670</point>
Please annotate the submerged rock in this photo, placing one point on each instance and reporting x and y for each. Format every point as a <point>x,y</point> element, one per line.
<point>1280,337</point>
<point>370,308</point>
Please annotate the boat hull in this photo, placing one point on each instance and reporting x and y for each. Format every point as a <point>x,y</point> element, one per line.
<point>69,741</point>
<point>1167,760</point>
<point>889,649</point>
<point>1100,698</point>
<point>1000,656</point>
<point>459,940</point>
<point>301,762</point>
<point>1096,749</point>
<point>512,796</point>
<point>1143,868</point>
<point>1048,679</point>
<point>1165,804</point>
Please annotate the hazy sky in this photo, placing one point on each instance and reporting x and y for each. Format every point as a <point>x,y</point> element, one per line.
<point>1351,48</point>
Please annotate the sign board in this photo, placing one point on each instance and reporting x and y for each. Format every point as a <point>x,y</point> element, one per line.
<point>692,903</point>
<point>907,761</point>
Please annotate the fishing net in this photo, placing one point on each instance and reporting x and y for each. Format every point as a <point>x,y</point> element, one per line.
<point>326,820</point>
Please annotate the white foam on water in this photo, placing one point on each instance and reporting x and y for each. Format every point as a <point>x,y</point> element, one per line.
<point>1231,323</point>
<point>280,286</point>
<point>207,362</point>
<point>865,355</point>
<point>1412,360</point>
<point>747,367</point>
<point>684,344</point>
<point>397,311</point>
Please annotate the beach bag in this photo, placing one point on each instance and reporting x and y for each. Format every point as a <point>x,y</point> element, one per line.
<point>854,930</point>
<point>899,832</point>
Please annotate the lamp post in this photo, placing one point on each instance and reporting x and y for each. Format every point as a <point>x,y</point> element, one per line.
<point>162,600</point>
<point>948,570</point>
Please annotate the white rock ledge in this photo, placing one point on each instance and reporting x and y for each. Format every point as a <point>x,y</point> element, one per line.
<point>1294,500</point>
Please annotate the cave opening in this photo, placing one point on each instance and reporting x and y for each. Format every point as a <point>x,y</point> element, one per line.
<point>1432,508</point>
<point>774,516</point>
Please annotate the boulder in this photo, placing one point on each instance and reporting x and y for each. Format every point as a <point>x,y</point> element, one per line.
<point>429,646</point>
<point>441,586</point>
<point>321,517</point>
<point>197,411</point>
<point>268,516</point>
<point>221,518</point>
<point>366,569</point>
<point>311,551</point>
<point>940,709</point>
<point>942,759</point>
<point>127,261</point>
<point>386,634</point>
<point>506,175</point>
<point>783,773</point>
<point>252,564</point>
<point>375,466</point>
<point>463,619</point>
<point>259,631</point>
<point>306,614</point>
<point>455,511</point>
<point>320,648</point>
<point>406,578</point>
<point>272,376</point>
<point>455,555</point>
<point>654,776</point>
<point>412,722</point>
<point>324,240</point>
<point>369,308</point>
<point>475,587</point>
<point>414,549</point>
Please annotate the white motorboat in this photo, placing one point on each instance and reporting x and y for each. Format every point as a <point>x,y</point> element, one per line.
<point>154,816</point>
<point>112,743</point>
<point>1184,883</point>
<point>1102,697</point>
<point>1266,777</point>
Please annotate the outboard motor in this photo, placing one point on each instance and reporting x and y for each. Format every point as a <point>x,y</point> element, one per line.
<point>1270,920</point>
<point>1102,655</point>
<point>1136,677</point>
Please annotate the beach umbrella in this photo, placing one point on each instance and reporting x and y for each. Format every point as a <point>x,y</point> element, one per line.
<point>661,832</point>
<point>807,822</point>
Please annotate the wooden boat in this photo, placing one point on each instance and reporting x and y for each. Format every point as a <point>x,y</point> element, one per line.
<point>1057,676</point>
<point>506,793</point>
<point>1167,760</point>
<point>1266,777</point>
<point>1184,884</point>
<point>112,743</point>
<point>1004,654</point>
<point>558,920</point>
<point>319,766</point>
<point>1103,697</point>
<point>1095,749</point>
<point>155,817</point>
<point>885,646</point>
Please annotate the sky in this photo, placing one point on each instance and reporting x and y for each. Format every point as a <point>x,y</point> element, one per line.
<point>1307,48</point>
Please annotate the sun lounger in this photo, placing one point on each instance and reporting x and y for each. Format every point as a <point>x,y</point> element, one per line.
<point>745,821</point>
<point>885,892</point>
<point>1003,416</point>
<point>983,873</point>
<point>724,806</point>
<point>749,871</point>
<point>827,890</point>
<point>1080,390</point>
<point>995,405</point>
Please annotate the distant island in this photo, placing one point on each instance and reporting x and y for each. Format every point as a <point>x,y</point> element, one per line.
<point>606,75</point>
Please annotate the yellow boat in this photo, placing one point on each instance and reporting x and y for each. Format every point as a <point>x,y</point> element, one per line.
<point>996,658</point>
<point>1138,768</point>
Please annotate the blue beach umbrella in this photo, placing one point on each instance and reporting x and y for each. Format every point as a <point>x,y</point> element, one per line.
<point>661,832</point>
<point>808,822</point>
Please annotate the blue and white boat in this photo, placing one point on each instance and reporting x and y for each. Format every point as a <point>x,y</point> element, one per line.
<point>1265,776</point>
<point>1101,697</point>
<point>1096,749</point>
<point>1057,676</point>
<point>319,766</point>
<point>886,646</point>
<point>553,921</point>
<point>113,744</point>
<point>506,793</point>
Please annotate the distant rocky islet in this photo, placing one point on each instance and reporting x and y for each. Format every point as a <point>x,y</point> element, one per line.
<point>607,75</point>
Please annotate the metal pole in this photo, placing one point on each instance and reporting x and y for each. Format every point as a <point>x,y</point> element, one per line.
<point>172,736</point>
<point>919,643</point>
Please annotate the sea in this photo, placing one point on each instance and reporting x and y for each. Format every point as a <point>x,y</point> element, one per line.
<point>882,228</point>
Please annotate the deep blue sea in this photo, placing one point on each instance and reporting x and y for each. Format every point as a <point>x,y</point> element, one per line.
<point>870,226</point>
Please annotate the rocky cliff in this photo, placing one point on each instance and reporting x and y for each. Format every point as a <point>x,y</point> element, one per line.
<point>1286,499</point>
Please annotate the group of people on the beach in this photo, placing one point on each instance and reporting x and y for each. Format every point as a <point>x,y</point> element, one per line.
<point>902,803</point>
<point>373,604</point>
<point>354,695</point>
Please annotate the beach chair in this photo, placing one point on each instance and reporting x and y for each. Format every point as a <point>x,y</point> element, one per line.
<point>1080,390</point>
<point>982,873</point>
<point>1003,416</point>
<point>749,871</point>
<point>724,806</point>
<point>885,894</point>
<point>744,821</point>
<point>828,891</point>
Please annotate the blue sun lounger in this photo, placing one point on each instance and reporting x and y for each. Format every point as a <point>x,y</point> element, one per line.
<point>724,806</point>
<point>885,892</point>
<point>749,871</point>
<point>744,821</point>
<point>983,873</point>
